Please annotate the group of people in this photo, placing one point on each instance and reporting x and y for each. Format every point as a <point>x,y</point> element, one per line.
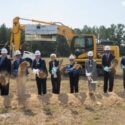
<point>72,70</point>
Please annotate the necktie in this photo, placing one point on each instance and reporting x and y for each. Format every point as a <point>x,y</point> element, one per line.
<point>90,62</point>
<point>107,57</point>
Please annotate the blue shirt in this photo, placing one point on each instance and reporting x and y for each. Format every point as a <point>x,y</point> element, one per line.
<point>72,71</point>
<point>16,64</point>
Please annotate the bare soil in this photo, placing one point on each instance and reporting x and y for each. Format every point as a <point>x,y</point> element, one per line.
<point>65,108</point>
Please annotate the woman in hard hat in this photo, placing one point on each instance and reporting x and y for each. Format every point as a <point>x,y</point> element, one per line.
<point>91,73</point>
<point>73,75</point>
<point>39,64</point>
<point>108,75</point>
<point>18,60</point>
<point>55,73</point>
<point>5,72</point>
<point>20,86</point>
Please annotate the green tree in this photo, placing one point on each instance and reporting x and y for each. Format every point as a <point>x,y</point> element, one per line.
<point>3,34</point>
<point>77,31</point>
<point>87,30</point>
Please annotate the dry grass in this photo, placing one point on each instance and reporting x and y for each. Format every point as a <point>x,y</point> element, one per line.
<point>66,108</point>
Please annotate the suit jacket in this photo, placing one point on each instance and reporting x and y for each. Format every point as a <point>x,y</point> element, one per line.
<point>90,67</point>
<point>41,65</point>
<point>56,63</point>
<point>5,65</point>
<point>107,61</point>
<point>17,63</point>
<point>123,61</point>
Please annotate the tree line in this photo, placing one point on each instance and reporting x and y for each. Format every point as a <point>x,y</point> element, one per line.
<point>114,33</point>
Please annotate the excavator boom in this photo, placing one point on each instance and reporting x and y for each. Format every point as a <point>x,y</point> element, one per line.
<point>17,28</point>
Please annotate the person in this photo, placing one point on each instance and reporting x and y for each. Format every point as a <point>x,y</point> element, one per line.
<point>55,74</point>
<point>123,67</point>
<point>19,80</point>
<point>5,72</point>
<point>18,60</point>
<point>39,65</point>
<point>108,75</point>
<point>91,72</point>
<point>5,69</point>
<point>73,75</point>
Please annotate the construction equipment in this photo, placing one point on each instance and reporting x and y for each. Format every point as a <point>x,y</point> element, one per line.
<point>84,43</point>
<point>18,28</point>
<point>79,45</point>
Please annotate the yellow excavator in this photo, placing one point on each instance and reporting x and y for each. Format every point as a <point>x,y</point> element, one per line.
<point>18,28</point>
<point>79,44</point>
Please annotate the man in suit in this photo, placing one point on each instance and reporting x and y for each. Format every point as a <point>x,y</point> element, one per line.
<point>5,69</point>
<point>91,73</point>
<point>55,74</point>
<point>123,67</point>
<point>108,75</point>
<point>40,65</point>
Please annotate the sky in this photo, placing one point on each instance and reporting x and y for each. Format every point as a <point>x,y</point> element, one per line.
<point>73,13</point>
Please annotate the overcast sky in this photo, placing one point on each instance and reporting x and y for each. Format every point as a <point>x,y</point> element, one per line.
<point>74,13</point>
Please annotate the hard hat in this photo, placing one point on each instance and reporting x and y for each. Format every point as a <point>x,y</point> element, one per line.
<point>107,48</point>
<point>4,51</point>
<point>37,53</point>
<point>90,53</point>
<point>17,53</point>
<point>71,57</point>
<point>53,55</point>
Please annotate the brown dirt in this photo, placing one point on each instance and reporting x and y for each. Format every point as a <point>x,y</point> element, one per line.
<point>66,108</point>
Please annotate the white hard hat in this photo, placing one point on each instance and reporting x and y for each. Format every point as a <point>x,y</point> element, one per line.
<point>90,53</point>
<point>17,52</point>
<point>107,48</point>
<point>4,51</point>
<point>53,55</point>
<point>71,57</point>
<point>37,53</point>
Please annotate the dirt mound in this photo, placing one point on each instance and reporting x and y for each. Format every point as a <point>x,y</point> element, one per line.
<point>30,101</point>
<point>103,100</point>
<point>73,100</point>
<point>79,99</point>
<point>54,99</point>
<point>111,99</point>
<point>64,99</point>
<point>65,118</point>
<point>92,101</point>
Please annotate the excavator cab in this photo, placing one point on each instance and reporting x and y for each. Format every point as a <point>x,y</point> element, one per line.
<point>82,44</point>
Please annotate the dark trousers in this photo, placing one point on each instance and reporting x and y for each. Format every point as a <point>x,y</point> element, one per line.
<point>41,85</point>
<point>55,85</point>
<point>4,89</point>
<point>74,80</point>
<point>124,79</point>
<point>108,82</point>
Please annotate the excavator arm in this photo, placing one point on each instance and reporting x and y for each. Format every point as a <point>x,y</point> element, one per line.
<point>17,28</point>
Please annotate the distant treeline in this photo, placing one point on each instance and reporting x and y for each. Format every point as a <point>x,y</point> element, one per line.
<point>114,33</point>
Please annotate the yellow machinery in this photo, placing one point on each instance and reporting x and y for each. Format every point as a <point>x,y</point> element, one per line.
<point>18,28</point>
<point>79,45</point>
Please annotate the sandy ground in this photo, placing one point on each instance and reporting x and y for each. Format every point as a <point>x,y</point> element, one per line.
<point>66,108</point>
